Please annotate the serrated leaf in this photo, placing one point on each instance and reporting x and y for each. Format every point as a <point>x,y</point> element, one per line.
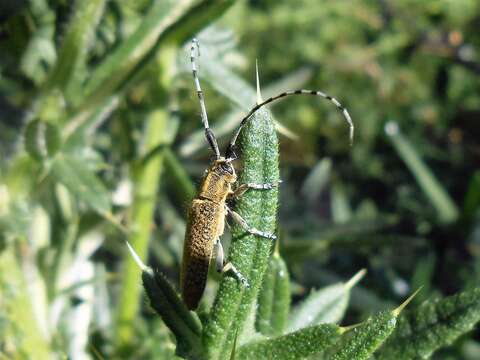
<point>274,298</point>
<point>327,305</point>
<point>81,181</point>
<point>313,340</point>
<point>431,326</point>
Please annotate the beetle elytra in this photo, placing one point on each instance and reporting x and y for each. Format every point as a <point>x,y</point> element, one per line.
<point>206,216</point>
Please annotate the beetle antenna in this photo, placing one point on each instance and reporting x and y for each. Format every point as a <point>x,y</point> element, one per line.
<point>230,154</point>
<point>208,132</point>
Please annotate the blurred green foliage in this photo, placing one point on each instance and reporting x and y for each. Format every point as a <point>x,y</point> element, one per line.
<point>101,141</point>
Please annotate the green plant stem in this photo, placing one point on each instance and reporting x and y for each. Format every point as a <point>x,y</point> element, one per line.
<point>146,180</point>
<point>181,182</point>
<point>146,174</point>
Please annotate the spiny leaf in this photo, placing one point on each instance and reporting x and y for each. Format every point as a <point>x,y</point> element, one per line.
<point>168,304</point>
<point>432,325</point>
<point>313,340</point>
<point>274,298</point>
<point>248,253</point>
<point>165,300</point>
<point>327,305</point>
<point>81,181</point>
<point>362,341</point>
<point>366,338</point>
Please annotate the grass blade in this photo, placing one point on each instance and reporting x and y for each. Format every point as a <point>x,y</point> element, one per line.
<point>434,191</point>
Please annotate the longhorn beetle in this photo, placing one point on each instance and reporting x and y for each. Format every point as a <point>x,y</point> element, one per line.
<point>206,216</point>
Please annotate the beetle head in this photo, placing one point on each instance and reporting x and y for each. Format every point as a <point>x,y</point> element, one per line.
<point>224,168</point>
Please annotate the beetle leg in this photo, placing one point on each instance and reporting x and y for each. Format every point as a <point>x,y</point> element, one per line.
<point>239,191</point>
<point>244,225</point>
<point>221,267</point>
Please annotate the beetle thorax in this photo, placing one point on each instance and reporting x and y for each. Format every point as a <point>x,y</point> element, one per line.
<point>217,183</point>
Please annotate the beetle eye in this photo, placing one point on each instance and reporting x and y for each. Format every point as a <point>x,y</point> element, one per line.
<point>227,168</point>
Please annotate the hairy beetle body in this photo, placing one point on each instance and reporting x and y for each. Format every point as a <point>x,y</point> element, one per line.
<point>206,223</point>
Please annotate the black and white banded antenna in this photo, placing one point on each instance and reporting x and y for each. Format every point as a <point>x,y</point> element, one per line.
<point>208,132</point>
<point>230,153</point>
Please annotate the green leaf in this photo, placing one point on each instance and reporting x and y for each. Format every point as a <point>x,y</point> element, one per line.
<point>327,305</point>
<point>434,191</point>
<point>248,253</point>
<point>313,340</point>
<point>274,298</point>
<point>81,181</point>
<point>431,326</point>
